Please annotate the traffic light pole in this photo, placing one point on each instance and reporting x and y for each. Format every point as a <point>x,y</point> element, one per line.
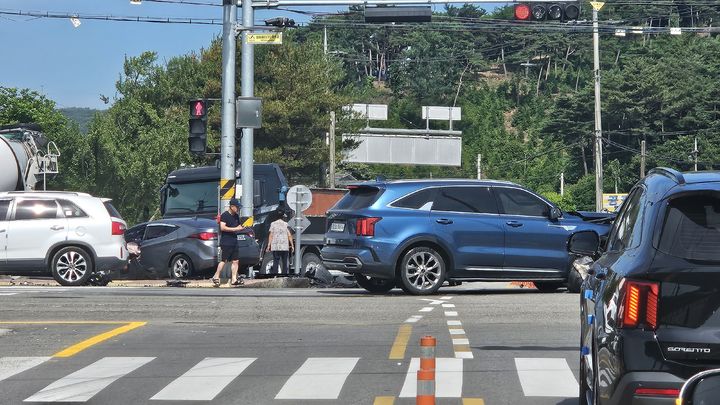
<point>227,136</point>
<point>598,125</point>
<point>247,89</point>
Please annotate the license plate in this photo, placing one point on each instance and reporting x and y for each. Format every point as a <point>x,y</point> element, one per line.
<point>241,237</point>
<point>337,227</point>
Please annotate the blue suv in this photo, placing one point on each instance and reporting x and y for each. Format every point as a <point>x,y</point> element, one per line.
<point>416,234</point>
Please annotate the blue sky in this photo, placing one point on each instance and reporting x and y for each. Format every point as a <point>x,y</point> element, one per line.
<point>74,66</point>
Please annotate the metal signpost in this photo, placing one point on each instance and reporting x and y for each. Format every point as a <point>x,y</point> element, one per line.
<point>300,198</point>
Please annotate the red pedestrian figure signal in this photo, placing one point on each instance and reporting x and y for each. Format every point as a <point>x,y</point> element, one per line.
<point>199,109</point>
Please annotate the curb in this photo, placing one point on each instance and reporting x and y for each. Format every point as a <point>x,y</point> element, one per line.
<point>280,282</point>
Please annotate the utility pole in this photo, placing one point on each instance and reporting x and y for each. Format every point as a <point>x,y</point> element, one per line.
<point>562,183</point>
<point>247,89</point>
<point>227,136</point>
<point>325,43</point>
<point>642,159</point>
<point>479,167</point>
<point>598,124</point>
<point>332,149</point>
<point>695,153</point>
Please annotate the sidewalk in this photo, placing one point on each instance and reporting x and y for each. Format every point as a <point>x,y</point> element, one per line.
<point>281,282</point>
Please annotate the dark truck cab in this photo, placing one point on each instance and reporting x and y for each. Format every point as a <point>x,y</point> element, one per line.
<point>191,192</point>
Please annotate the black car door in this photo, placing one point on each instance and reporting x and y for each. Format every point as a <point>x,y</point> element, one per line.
<point>156,246</point>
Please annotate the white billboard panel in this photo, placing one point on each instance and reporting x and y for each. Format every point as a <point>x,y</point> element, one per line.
<point>405,149</point>
<point>374,112</point>
<point>441,113</point>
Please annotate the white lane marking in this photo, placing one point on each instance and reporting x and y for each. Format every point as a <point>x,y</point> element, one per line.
<point>546,377</point>
<point>413,319</point>
<point>205,380</point>
<point>85,383</point>
<point>9,366</point>
<point>451,313</point>
<point>454,323</point>
<point>431,301</point>
<point>427,309</point>
<point>463,355</point>
<point>446,298</point>
<point>6,294</point>
<point>318,378</point>
<point>461,341</point>
<point>457,331</point>
<point>448,305</point>
<point>448,378</point>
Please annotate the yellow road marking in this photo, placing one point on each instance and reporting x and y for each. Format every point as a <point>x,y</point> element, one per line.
<point>473,401</point>
<point>384,401</point>
<point>397,351</point>
<point>77,348</point>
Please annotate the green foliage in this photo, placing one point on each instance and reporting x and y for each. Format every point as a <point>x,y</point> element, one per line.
<point>81,116</point>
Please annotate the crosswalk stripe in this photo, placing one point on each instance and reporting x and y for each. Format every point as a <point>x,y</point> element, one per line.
<point>9,366</point>
<point>318,378</point>
<point>448,378</point>
<point>7,294</point>
<point>546,377</point>
<point>85,383</point>
<point>205,380</point>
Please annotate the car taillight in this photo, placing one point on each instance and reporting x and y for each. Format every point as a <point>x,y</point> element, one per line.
<point>640,305</point>
<point>205,236</point>
<point>366,226</point>
<point>118,228</point>
<point>658,392</point>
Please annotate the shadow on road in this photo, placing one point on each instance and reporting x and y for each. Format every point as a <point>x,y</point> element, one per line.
<point>528,348</point>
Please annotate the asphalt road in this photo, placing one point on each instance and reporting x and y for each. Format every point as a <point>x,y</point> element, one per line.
<point>495,345</point>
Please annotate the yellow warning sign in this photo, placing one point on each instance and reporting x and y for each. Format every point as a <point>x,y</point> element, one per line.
<point>227,189</point>
<point>597,5</point>
<point>266,39</point>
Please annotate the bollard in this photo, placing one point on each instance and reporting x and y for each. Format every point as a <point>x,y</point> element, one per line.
<point>426,373</point>
<point>427,353</point>
<point>425,387</point>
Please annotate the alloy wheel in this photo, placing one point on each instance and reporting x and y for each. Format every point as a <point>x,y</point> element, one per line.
<point>71,266</point>
<point>423,270</point>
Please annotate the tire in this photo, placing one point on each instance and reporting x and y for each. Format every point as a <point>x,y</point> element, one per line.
<point>266,264</point>
<point>548,286</point>
<point>311,261</point>
<point>72,266</point>
<point>180,267</point>
<point>574,284</point>
<point>374,285</point>
<point>422,271</point>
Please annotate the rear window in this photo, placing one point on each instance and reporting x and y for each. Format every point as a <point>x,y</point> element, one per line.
<point>112,210</point>
<point>692,228</point>
<point>358,198</point>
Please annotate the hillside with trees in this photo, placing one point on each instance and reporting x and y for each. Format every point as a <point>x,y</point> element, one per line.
<point>526,92</point>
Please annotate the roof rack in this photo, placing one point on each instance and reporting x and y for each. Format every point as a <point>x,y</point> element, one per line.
<point>673,174</point>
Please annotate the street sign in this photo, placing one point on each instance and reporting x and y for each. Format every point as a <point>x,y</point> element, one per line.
<point>597,5</point>
<point>299,223</point>
<point>299,197</point>
<point>374,112</point>
<point>264,39</point>
<point>441,113</point>
<point>613,202</point>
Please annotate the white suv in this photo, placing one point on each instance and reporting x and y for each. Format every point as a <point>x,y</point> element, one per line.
<point>73,236</point>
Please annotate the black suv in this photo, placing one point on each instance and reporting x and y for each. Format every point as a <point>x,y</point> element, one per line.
<point>649,308</point>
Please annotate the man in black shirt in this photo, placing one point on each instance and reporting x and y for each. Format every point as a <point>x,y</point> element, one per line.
<point>229,225</point>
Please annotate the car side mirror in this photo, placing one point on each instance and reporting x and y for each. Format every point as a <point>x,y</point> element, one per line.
<point>584,243</point>
<point>701,389</point>
<point>555,213</point>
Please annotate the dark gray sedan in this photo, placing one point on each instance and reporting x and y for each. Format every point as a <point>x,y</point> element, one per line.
<point>178,248</point>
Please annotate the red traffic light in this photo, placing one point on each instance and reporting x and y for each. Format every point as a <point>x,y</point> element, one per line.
<point>522,12</point>
<point>197,108</point>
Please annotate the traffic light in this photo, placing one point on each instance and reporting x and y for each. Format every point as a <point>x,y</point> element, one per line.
<point>398,14</point>
<point>563,11</point>
<point>280,22</point>
<point>197,138</point>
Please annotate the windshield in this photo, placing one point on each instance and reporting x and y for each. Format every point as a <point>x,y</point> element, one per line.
<point>191,198</point>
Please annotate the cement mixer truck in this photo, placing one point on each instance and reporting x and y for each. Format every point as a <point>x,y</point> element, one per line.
<point>27,158</point>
